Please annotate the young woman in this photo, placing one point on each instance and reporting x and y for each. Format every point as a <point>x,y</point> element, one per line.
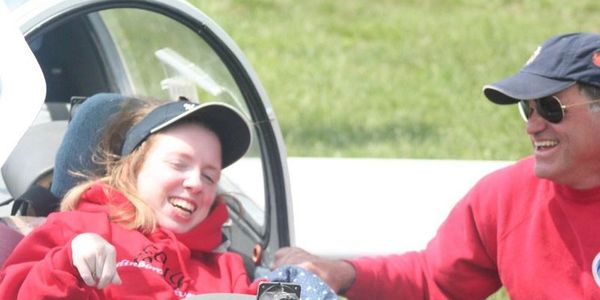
<point>150,227</point>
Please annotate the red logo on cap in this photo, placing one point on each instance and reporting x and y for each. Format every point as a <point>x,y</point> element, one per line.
<point>596,59</point>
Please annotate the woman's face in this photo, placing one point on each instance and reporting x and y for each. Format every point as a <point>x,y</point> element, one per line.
<point>179,175</point>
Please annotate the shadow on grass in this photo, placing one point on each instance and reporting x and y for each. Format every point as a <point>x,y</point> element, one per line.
<point>348,135</point>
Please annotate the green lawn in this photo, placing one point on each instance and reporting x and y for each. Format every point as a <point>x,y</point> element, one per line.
<point>395,78</point>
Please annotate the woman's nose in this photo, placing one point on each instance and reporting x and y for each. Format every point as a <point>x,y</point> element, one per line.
<point>193,181</point>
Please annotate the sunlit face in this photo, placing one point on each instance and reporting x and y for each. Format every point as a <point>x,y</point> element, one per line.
<point>179,175</point>
<point>568,152</point>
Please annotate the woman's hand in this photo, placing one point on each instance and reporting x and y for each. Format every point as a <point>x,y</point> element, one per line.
<point>95,259</point>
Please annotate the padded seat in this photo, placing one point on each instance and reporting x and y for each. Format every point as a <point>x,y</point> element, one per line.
<point>37,174</point>
<point>27,171</point>
<point>12,230</point>
<point>32,160</point>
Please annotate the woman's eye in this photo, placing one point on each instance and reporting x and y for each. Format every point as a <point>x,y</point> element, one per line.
<point>210,178</point>
<point>177,165</point>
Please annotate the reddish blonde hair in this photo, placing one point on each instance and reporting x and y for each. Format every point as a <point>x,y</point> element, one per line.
<point>120,172</point>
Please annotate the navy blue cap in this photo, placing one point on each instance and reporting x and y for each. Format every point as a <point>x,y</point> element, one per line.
<point>227,123</point>
<point>558,63</point>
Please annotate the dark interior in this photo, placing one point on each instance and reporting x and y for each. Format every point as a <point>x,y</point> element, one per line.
<point>71,62</point>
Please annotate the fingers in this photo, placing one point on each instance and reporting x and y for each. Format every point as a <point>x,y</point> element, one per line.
<point>291,256</point>
<point>280,257</point>
<point>85,271</point>
<point>95,260</point>
<point>116,279</point>
<point>106,268</point>
<point>281,252</point>
<point>111,267</point>
<point>102,278</point>
<point>338,274</point>
<point>98,276</point>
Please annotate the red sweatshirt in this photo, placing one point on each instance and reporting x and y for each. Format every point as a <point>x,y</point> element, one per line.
<point>536,238</point>
<point>161,265</point>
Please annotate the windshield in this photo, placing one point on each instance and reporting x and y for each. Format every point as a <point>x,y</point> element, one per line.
<point>140,52</point>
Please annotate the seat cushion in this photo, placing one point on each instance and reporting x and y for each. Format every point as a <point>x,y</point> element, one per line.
<point>12,230</point>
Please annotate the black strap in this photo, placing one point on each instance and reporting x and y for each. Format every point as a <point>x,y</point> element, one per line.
<point>19,207</point>
<point>37,201</point>
<point>75,102</point>
<point>6,202</point>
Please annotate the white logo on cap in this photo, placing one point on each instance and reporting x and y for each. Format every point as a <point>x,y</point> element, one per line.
<point>534,55</point>
<point>189,106</point>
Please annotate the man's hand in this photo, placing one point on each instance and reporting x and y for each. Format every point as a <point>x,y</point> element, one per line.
<point>95,259</point>
<point>338,274</point>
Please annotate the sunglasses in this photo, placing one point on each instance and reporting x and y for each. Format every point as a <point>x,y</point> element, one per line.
<point>550,108</point>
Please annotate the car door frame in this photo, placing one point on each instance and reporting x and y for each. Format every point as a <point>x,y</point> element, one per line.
<point>35,15</point>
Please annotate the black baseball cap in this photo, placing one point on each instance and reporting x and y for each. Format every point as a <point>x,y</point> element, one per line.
<point>558,63</point>
<point>227,123</point>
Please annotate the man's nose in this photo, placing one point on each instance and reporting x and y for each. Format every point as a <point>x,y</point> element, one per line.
<point>535,123</point>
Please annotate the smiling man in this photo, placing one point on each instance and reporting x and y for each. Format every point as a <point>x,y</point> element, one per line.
<point>530,227</point>
<point>562,75</point>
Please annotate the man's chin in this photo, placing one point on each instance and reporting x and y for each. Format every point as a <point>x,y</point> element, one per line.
<point>544,171</point>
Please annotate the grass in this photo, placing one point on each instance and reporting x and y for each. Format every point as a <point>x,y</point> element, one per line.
<point>355,78</point>
<point>395,79</point>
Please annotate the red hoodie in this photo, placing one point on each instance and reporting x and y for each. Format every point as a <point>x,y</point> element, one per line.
<point>538,239</point>
<point>160,265</point>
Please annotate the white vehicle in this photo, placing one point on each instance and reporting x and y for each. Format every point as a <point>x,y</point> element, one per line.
<point>56,50</point>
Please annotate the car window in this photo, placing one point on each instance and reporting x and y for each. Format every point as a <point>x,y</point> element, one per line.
<point>145,53</point>
<point>164,57</point>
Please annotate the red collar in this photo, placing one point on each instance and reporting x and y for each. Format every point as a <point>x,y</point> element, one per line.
<point>205,237</point>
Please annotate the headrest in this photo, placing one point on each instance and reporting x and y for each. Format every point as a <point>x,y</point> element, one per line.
<point>88,121</point>
<point>33,157</point>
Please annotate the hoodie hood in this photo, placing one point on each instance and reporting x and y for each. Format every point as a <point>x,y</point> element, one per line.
<point>205,237</point>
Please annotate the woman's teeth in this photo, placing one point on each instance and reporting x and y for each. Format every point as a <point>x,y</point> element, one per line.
<point>183,205</point>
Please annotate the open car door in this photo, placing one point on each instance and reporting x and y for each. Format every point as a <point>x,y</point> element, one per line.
<point>163,49</point>
<point>20,78</point>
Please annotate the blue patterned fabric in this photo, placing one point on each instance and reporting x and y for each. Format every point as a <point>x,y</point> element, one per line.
<point>312,287</point>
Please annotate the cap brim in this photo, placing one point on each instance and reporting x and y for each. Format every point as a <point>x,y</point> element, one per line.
<point>231,128</point>
<point>523,86</point>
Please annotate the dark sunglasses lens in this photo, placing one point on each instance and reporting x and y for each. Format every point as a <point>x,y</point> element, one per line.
<point>525,110</point>
<point>550,109</point>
